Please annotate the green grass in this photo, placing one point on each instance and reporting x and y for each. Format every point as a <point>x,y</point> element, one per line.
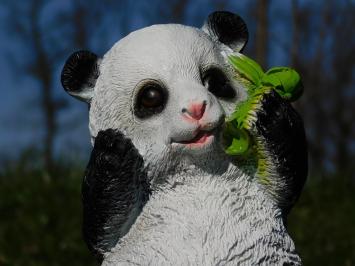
<point>322,223</point>
<point>40,219</point>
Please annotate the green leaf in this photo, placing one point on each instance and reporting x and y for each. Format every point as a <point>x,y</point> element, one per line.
<point>256,67</point>
<point>247,68</point>
<point>286,81</point>
<point>237,139</point>
<point>239,145</point>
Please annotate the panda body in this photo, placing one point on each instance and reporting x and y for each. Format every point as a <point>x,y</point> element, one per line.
<point>159,188</point>
<point>207,220</point>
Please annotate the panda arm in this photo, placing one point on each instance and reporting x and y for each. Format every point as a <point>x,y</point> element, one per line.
<point>114,191</point>
<point>282,149</point>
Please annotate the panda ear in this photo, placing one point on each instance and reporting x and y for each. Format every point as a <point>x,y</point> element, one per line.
<point>227,28</point>
<point>79,75</point>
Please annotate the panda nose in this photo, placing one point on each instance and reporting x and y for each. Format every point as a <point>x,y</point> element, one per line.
<point>195,110</point>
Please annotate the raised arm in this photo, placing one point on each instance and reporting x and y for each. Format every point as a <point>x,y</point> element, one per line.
<point>281,149</point>
<point>114,190</point>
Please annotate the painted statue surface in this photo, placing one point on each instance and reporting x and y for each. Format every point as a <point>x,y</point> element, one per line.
<point>160,188</point>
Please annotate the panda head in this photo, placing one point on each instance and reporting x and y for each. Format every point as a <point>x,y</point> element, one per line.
<point>166,87</point>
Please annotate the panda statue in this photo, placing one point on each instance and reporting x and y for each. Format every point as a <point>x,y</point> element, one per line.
<point>159,188</point>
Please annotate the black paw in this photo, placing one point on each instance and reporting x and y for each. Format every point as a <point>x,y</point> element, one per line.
<point>112,151</point>
<point>115,183</point>
<point>282,129</point>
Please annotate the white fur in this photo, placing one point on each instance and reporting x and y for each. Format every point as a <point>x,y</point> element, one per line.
<point>204,210</point>
<point>207,220</point>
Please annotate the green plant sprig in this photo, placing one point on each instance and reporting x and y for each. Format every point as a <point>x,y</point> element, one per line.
<point>284,80</point>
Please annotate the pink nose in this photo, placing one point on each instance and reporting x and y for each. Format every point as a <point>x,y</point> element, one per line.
<point>195,110</point>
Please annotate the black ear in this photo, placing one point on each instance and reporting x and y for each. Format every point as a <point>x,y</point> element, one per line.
<point>227,28</point>
<point>79,75</point>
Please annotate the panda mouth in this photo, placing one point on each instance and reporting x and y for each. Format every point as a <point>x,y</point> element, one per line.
<point>200,138</point>
<point>203,137</point>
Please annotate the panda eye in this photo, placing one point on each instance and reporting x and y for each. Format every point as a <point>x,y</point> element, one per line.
<point>150,100</point>
<point>218,83</point>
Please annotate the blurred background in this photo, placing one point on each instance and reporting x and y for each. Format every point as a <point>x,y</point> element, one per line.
<point>44,139</point>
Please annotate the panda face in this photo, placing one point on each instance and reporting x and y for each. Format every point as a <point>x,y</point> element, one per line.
<point>168,88</point>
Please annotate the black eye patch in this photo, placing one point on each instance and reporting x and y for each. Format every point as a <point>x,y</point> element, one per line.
<point>150,100</point>
<point>218,83</point>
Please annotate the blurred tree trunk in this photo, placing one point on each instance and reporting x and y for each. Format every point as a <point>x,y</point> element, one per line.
<point>343,63</point>
<point>296,16</point>
<point>172,11</point>
<point>41,69</point>
<point>262,32</point>
<point>81,36</point>
<point>178,10</point>
<point>311,103</point>
<point>48,43</point>
<point>327,75</point>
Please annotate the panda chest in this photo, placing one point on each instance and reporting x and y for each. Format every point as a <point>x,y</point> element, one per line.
<point>204,223</point>
<point>206,214</point>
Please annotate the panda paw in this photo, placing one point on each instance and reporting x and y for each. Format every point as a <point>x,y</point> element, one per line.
<point>281,147</point>
<point>112,150</point>
<point>114,185</point>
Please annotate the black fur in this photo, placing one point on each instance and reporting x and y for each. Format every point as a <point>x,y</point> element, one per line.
<point>229,28</point>
<point>113,177</point>
<point>283,130</point>
<point>80,70</point>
